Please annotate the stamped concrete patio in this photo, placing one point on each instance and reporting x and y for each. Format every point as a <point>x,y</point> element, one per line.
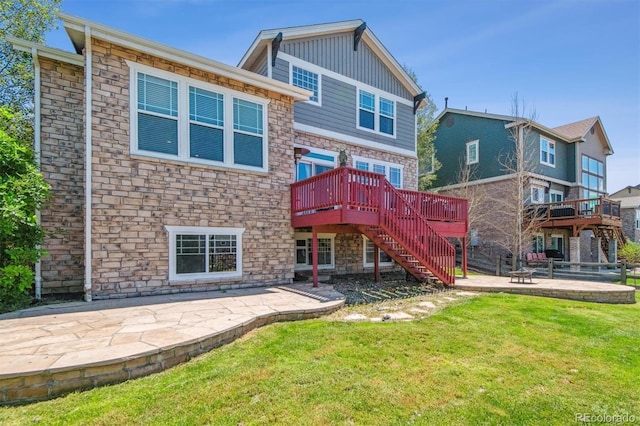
<point>51,350</point>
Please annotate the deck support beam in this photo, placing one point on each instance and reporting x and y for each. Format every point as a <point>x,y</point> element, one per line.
<point>464,257</point>
<point>376,263</point>
<point>314,255</point>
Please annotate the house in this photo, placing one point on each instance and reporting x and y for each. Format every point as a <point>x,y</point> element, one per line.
<point>629,199</point>
<point>565,186</point>
<point>172,172</point>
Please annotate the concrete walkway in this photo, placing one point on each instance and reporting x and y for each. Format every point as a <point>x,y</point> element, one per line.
<point>586,291</point>
<point>50,350</point>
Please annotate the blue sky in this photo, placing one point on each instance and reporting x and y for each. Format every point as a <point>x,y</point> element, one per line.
<point>566,59</point>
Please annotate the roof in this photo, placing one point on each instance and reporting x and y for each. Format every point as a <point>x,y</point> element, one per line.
<point>572,132</point>
<point>627,191</point>
<point>78,28</point>
<point>629,202</point>
<point>46,52</point>
<point>292,33</point>
<point>576,130</point>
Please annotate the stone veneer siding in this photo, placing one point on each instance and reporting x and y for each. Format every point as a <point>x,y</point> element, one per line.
<point>135,197</point>
<point>629,224</point>
<point>349,248</point>
<point>62,165</point>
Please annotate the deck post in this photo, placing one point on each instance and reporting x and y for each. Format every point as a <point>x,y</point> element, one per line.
<point>376,262</point>
<point>314,255</point>
<point>345,194</point>
<point>464,256</point>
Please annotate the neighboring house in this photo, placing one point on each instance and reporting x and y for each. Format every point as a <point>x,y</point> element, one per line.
<point>629,199</point>
<point>172,172</point>
<point>566,178</point>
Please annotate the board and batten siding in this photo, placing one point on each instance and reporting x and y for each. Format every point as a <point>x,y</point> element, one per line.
<point>338,112</point>
<point>335,52</point>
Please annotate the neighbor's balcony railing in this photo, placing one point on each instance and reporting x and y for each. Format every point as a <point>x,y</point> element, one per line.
<point>575,209</point>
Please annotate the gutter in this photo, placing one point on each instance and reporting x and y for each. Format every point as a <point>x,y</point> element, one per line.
<point>37,154</point>
<point>87,166</point>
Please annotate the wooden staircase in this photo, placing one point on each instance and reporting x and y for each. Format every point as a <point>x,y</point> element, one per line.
<point>608,234</point>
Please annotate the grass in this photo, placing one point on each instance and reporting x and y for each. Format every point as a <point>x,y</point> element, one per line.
<point>494,359</point>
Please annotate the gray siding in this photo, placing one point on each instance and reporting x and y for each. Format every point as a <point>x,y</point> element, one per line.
<point>338,112</point>
<point>260,64</point>
<point>335,52</point>
<point>564,160</point>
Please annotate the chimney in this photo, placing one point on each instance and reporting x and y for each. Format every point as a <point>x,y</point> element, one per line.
<point>446,102</point>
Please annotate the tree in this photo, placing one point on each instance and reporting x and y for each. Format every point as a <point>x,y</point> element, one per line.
<point>22,192</point>
<point>28,20</point>
<point>428,165</point>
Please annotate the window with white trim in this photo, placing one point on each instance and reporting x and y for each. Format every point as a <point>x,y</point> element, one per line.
<point>547,152</point>
<point>537,194</point>
<point>183,119</point>
<point>472,152</point>
<point>368,252</point>
<point>304,254</point>
<point>393,172</point>
<point>637,219</point>
<point>555,196</point>
<point>538,243</point>
<point>204,252</point>
<point>305,79</point>
<point>315,162</point>
<point>376,113</point>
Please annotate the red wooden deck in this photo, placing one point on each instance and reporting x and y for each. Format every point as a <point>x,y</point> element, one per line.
<point>410,226</point>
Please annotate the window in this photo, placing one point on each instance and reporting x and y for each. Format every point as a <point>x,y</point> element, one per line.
<point>428,165</point>
<point>315,162</point>
<point>472,152</point>
<point>547,152</point>
<point>393,172</point>
<point>383,258</point>
<point>555,196</point>
<point>537,194</point>
<point>306,80</point>
<point>637,219</point>
<point>538,243</point>
<point>380,119</point>
<point>187,120</point>
<point>304,252</point>
<point>197,253</point>
<point>557,243</point>
<point>592,178</point>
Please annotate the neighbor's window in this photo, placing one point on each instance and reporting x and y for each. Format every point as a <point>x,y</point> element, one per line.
<point>183,119</point>
<point>555,196</point>
<point>472,152</point>
<point>537,194</point>
<point>547,152</point>
<point>592,178</point>
<point>538,243</point>
<point>306,80</point>
<point>198,253</point>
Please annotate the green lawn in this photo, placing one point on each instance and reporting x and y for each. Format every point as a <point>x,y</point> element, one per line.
<point>493,359</point>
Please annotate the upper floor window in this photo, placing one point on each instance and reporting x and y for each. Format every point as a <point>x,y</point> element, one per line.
<point>592,177</point>
<point>183,119</point>
<point>392,171</point>
<point>472,152</point>
<point>547,152</point>
<point>300,77</point>
<point>376,116</point>
<point>555,196</point>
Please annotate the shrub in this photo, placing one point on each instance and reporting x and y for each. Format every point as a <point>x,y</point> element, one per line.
<point>22,192</point>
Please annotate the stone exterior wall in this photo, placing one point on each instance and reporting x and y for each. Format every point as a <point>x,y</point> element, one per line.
<point>629,224</point>
<point>62,165</point>
<point>135,197</point>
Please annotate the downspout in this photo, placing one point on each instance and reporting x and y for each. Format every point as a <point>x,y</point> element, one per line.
<point>87,165</point>
<point>37,155</point>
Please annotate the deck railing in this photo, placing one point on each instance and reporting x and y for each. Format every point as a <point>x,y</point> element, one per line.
<point>438,207</point>
<point>574,209</point>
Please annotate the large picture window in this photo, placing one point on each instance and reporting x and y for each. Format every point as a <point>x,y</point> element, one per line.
<point>592,178</point>
<point>376,113</point>
<point>197,253</point>
<point>188,120</point>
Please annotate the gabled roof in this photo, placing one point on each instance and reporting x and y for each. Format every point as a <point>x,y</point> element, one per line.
<point>292,33</point>
<point>78,28</point>
<point>572,132</point>
<point>46,52</point>
<point>627,191</point>
<point>629,202</point>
